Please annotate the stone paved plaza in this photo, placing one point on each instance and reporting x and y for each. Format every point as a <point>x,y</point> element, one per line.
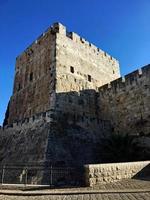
<point>119,196</point>
<point>130,189</point>
<point>129,184</point>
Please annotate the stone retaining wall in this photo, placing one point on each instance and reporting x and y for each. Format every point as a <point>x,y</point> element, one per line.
<point>107,173</point>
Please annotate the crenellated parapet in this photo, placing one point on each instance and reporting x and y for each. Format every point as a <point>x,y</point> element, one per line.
<point>125,102</point>
<point>132,79</point>
<point>68,95</point>
<point>82,41</point>
<point>62,30</point>
<point>59,63</point>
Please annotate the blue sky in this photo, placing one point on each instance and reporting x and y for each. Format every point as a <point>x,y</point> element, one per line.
<point>120,27</point>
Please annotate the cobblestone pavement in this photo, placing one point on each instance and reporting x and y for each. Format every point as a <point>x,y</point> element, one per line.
<point>126,184</point>
<point>130,189</point>
<point>119,196</point>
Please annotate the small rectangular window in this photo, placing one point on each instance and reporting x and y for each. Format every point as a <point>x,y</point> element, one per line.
<point>70,100</point>
<point>51,74</point>
<point>89,78</point>
<point>72,69</point>
<point>19,87</point>
<point>31,76</point>
<point>81,102</point>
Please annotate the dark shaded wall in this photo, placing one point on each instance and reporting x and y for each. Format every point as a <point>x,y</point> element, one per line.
<point>34,79</point>
<point>126,102</point>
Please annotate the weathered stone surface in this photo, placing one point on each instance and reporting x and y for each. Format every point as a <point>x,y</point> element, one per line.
<point>60,72</point>
<point>68,145</point>
<point>107,173</point>
<point>24,145</point>
<point>107,196</point>
<point>80,69</point>
<point>126,103</point>
<point>33,80</point>
<point>60,107</point>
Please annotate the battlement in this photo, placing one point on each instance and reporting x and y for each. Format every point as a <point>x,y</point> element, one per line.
<point>61,29</point>
<point>43,117</point>
<point>76,38</point>
<point>61,104</point>
<point>53,117</point>
<point>125,102</point>
<point>130,79</point>
<point>57,61</point>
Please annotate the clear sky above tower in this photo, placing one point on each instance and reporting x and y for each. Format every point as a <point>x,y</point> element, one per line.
<point>119,27</point>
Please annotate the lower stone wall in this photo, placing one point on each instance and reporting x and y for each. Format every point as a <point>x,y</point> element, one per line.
<point>125,102</point>
<point>107,173</point>
<point>58,143</point>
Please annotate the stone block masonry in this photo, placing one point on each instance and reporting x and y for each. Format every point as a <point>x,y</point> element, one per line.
<point>60,73</point>
<point>61,108</point>
<point>107,173</point>
<point>81,68</point>
<point>80,65</point>
<point>33,80</point>
<point>125,102</point>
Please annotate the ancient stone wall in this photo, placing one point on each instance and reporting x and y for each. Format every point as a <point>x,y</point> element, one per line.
<point>80,108</point>
<point>60,72</point>
<point>58,113</point>
<point>23,144</point>
<point>125,102</point>
<point>107,173</point>
<point>55,142</point>
<point>80,69</point>
<point>34,79</point>
<point>80,65</point>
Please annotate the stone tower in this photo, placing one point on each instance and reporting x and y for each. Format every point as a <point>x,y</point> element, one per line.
<point>67,95</point>
<point>54,76</point>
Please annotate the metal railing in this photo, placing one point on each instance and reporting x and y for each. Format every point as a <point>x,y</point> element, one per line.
<point>39,175</point>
